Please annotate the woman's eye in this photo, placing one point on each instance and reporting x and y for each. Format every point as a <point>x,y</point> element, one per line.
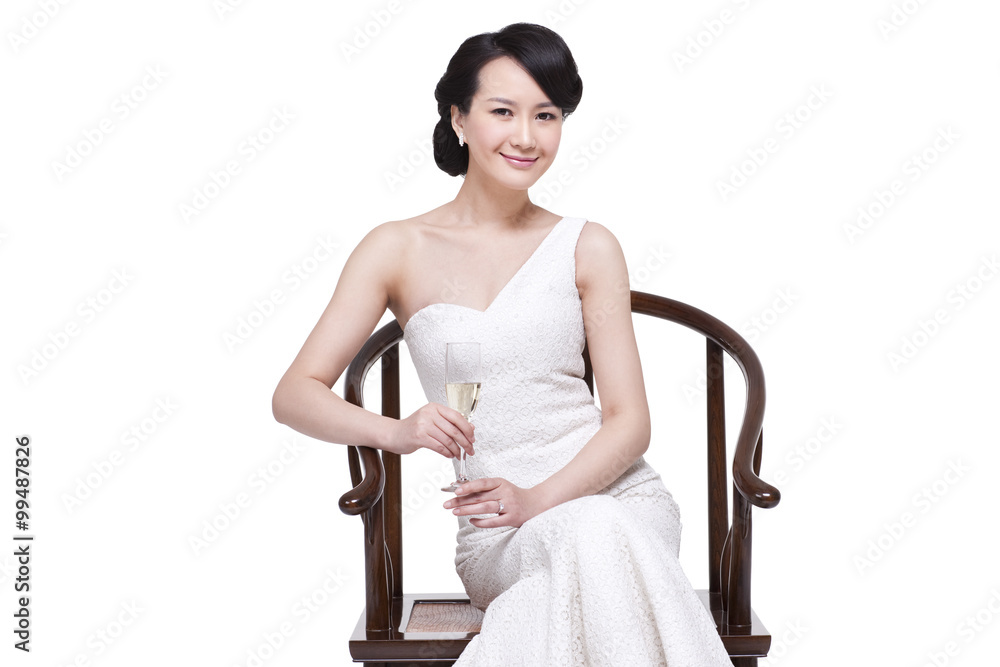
<point>501,112</point>
<point>545,115</point>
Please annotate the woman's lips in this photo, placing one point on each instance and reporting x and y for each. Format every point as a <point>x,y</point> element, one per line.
<point>522,163</point>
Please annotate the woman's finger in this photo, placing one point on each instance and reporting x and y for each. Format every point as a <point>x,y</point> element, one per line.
<point>492,521</point>
<point>485,507</point>
<point>446,445</point>
<point>458,436</point>
<point>461,420</point>
<point>481,485</point>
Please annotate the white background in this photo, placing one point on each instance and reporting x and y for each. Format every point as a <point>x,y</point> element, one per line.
<point>855,565</point>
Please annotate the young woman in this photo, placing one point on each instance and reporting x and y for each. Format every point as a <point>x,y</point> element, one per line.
<point>567,537</point>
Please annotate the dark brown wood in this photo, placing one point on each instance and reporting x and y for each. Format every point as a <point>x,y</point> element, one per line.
<point>738,593</point>
<point>377,496</point>
<point>755,643</point>
<point>724,570</point>
<point>393,491</point>
<point>754,489</point>
<point>718,497</point>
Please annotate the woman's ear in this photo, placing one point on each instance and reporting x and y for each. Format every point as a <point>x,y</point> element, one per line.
<point>457,120</point>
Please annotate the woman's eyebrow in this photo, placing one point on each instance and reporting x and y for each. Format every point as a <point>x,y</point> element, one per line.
<point>504,100</point>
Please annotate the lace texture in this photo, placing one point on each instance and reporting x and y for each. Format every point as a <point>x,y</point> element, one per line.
<point>594,581</point>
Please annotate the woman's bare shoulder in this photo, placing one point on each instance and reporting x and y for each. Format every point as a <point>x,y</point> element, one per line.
<point>599,256</point>
<point>397,235</point>
<point>387,237</point>
<point>386,252</point>
<point>597,244</point>
<point>385,245</point>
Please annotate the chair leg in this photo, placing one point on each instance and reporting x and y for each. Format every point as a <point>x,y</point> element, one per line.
<point>744,662</point>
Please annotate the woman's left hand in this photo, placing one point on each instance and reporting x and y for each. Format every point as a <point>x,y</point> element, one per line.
<point>484,496</point>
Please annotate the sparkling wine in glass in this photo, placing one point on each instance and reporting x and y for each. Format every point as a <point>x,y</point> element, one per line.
<point>463,381</point>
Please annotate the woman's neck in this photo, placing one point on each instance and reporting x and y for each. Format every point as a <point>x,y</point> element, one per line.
<point>477,202</point>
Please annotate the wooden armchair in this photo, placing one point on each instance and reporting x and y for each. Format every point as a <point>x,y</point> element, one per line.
<point>397,629</point>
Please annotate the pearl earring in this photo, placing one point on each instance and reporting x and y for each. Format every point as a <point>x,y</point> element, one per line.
<point>461,139</point>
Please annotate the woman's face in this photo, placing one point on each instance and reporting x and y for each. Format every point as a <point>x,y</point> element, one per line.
<point>512,128</point>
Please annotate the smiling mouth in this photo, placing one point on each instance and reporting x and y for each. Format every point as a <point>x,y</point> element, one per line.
<point>519,160</point>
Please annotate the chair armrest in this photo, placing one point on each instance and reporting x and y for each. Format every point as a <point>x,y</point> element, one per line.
<point>746,460</point>
<point>368,486</point>
<point>367,490</point>
<point>745,478</point>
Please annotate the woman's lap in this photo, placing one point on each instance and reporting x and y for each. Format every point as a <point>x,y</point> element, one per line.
<point>591,531</point>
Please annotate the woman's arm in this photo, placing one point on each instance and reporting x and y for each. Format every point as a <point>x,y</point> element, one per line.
<point>303,398</point>
<point>602,278</point>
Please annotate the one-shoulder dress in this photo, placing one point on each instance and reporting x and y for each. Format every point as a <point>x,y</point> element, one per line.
<point>593,581</point>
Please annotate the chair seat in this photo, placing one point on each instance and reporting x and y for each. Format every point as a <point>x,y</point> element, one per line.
<point>437,627</point>
<point>457,619</point>
<point>430,616</point>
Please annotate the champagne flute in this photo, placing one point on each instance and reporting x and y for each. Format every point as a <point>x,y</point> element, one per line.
<point>463,380</point>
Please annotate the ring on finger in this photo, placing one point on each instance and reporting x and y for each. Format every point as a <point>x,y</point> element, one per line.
<point>499,506</point>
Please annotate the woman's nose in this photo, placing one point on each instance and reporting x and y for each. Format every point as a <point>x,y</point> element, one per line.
<point>523,135</point>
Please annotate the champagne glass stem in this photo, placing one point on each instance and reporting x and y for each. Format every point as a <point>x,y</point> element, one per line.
<point>462,477</point>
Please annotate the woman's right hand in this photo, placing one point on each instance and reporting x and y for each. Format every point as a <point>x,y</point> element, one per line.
<point>435,427</point>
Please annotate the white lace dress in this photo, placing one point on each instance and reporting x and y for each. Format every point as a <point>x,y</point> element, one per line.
<point>594,581</point>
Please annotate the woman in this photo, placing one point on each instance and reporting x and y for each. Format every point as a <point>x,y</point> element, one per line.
<point>567,538</point>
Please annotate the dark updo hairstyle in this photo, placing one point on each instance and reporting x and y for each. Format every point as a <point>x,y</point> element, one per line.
<point>539,50</point>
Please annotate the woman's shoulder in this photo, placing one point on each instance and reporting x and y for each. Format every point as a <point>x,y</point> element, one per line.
<point>404,231</point>
<point>597,242</point>
<point>390,237</point>
<point>599,255</point>
<point>388,247</point>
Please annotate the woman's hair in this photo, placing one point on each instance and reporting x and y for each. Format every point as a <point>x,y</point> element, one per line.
<point>539,50</point>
